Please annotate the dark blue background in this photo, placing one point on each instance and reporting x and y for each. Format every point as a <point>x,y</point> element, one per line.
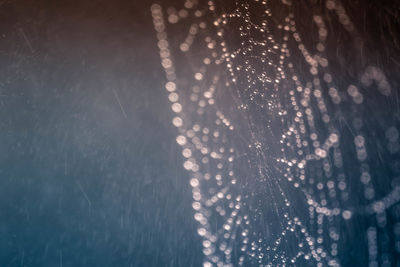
<point>84,182</point>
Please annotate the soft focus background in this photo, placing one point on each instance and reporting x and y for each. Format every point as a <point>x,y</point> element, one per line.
<point>90,174</point>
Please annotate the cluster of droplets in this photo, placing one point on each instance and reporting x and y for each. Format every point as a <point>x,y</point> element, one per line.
<point>206,149</point>
<point>307,121</point>
<point>303,131</point>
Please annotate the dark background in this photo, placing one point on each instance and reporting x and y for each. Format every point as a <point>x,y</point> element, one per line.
<point>90,174</point>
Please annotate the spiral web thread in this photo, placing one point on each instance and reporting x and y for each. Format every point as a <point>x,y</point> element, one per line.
<point>287,153</point>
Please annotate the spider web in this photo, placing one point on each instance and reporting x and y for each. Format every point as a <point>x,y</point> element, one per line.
<point>292,159</point>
